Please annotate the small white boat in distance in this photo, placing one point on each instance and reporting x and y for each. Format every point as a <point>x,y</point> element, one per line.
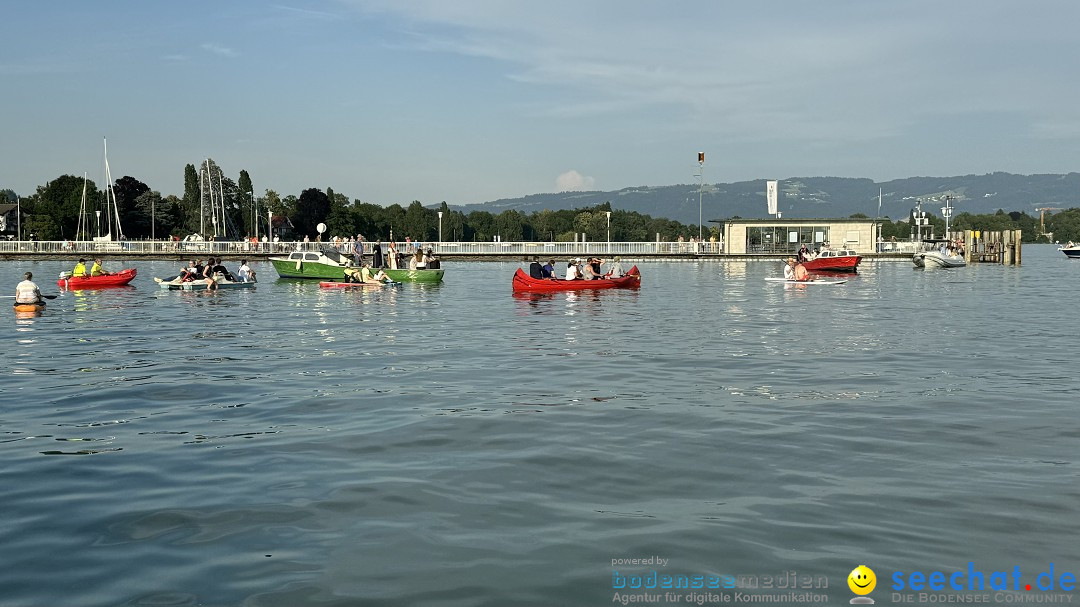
<point>936,254</point>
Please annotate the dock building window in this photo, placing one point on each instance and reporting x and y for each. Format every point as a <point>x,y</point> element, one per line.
<point>785,239</point>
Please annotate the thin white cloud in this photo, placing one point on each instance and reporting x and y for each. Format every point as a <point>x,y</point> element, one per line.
<point>217,49</point>
<point>573,181</point>
<point>176,58</point>
<point>306,12</point>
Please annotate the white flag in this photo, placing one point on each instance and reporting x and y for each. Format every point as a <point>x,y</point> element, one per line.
<point>770,194</point>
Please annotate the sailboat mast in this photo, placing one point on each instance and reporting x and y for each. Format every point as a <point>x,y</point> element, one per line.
<point>221,189</point>
<point>80,230</point>
<point>202,205</point>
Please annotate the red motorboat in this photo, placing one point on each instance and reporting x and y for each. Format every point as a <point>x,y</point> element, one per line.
<point>842,260</point>
<point>523,282</point>
<point>113,279</point>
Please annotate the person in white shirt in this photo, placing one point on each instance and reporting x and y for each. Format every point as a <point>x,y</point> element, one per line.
<point>244,272</point>
<point>26,292</point>
<point>789,269</point>
<point>571,270</point>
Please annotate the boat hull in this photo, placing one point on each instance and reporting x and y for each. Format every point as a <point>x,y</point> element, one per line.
<point>354,285</point>
<point>934,259</point>
<point>289,268</point>
<point>843,263</point>
<point>196,285</point>
<point>523,282</point>
<point>117,279</point>
<point>1071,252</point>
<point>21,308</point>
<point>426,276</point>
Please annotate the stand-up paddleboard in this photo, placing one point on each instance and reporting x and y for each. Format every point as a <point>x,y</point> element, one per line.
<point>326,284</point>
<point>806,282</point>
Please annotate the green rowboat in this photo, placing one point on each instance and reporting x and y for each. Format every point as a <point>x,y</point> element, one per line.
<point>425,276</point>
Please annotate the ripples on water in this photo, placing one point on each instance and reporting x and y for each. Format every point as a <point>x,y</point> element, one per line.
<point>459,445</point>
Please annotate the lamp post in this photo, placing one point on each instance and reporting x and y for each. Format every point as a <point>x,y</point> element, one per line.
<point>440,227</point>
<point>608,232</point>
<point>153,218</point>
<point>269,225</point>
<point>98,214</point>
<point>701,171</point>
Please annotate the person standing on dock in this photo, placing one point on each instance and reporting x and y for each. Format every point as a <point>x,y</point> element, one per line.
<point>376,255</point>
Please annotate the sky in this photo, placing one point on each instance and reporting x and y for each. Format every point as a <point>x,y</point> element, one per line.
<point>466,101</point>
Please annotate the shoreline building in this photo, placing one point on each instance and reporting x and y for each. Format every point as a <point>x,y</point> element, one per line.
<point>773,236</point>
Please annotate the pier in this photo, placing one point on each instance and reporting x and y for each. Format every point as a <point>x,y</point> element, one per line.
<point>448,251</point>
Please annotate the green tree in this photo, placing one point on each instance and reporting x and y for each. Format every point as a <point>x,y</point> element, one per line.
<point>247,203</point>
<point>311,209</point>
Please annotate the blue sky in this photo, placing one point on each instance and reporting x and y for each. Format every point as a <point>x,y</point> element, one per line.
<point>389,101</point>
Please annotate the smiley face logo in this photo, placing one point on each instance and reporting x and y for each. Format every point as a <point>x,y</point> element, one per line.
<point>862,580</point>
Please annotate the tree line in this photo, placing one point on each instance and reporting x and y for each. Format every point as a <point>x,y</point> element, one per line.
<point>53,213</point>
<point>1062,226</point>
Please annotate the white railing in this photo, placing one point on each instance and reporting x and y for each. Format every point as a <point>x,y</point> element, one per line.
<point>206,247</point>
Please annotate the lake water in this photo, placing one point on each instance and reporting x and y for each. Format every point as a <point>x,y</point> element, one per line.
<point>455,445</point>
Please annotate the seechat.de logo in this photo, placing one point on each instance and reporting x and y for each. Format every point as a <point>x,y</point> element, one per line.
<point>862,581</point>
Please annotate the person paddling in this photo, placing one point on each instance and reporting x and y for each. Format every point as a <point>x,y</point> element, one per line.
<point>80,269</point>
<point>26,292</point>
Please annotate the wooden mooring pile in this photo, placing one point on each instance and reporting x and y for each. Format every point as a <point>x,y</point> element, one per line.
<point>1000,247</point>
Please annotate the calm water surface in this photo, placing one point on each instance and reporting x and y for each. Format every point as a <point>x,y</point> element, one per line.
<point>457,445</point>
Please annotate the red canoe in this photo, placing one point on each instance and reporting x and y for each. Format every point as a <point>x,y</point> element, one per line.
<point>522,282</point>
<point>828,260</point>
<point>115,279</point>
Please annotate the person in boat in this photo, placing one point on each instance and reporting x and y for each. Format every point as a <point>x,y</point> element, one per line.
<point>789,269</point>
<point>800,273</point>
<point>244,272</point>
<point>218,268</point>
<point>420,260</point>
<point>535,269</point>
<point>26,292</point>
<point>80,269</point>
<point>96,269</point>
<point>549,270</point>
<point>589,270</point>
<point>433,262</point>
<point>191,272</point>
<point>804,253</point>
<point>616,270</point>
<point>572,270</point>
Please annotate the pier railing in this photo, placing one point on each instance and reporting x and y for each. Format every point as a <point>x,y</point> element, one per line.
<point>217,247</point>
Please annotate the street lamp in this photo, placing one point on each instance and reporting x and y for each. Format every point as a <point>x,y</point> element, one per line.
<point>701,171</point>
<point>609,232</point>
<point>98,213</point>
<point>440,227</point>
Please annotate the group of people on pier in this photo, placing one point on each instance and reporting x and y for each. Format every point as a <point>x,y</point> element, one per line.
<point>416,258</point>
<point>577,269</point>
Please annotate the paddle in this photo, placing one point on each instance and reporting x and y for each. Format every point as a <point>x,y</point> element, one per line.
<point>43,296</point>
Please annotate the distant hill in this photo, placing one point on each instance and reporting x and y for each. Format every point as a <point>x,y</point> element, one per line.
<point>818,197</point>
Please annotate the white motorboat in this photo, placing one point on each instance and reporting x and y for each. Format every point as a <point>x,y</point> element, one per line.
<point>937,259</point>
<point>1071,250</point>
